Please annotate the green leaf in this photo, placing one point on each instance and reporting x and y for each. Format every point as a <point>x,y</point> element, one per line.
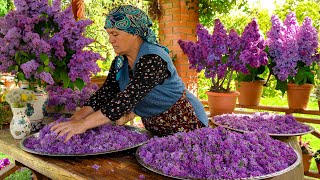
<point>282,86</point>
<point>79,84</point>
<point>47,69</point>
<point>65,79</point>
<point>44,58</point>
<point>24,54</point>
<point>40,69</point>
<point>21,76</point>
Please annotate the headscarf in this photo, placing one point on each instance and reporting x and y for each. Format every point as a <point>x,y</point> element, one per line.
<point>134,21</point>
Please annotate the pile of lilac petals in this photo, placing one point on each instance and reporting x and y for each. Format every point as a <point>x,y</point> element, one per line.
<point>217,153</point>
<point>104,138</point>
<point>264,122</point>
<point>4,162</point>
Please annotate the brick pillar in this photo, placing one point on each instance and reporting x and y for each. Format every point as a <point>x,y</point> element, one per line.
<point>179,22</point>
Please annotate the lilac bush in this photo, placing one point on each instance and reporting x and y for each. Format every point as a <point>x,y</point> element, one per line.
<point>293,50</point>
<point>43,44</point>
<point>264,122</point>
<point>100,139</point>
<point>69,99</point>
<point>217,153</point>
<point>4,162</point>
<point>221,54</point>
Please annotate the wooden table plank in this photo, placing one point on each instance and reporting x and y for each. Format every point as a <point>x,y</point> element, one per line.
<point>122,165</point>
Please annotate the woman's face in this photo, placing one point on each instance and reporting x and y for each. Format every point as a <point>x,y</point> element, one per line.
<point>121,41</point>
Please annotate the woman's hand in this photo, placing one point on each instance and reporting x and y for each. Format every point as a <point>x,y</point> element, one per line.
<point>70,128</point>
<point>74,127</point>
<point>126,118</point>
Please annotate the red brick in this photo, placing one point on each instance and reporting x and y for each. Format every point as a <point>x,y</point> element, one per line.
<point>165,31</point>
<point>185,30</point>
<point>166,18</point>
<point>166,5</point>
<point>175,24</point>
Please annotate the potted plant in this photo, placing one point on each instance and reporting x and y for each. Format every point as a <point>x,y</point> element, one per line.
<point>307,154</point>
<point>317,159</point>
<point>251,53</point>
<point>46,46</point>
<point>293,53</point>
<point>215,54</point>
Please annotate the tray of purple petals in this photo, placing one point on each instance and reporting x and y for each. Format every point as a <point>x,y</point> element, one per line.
<point>101,140</point>
<point>273,124</point>
<point>216,153</point>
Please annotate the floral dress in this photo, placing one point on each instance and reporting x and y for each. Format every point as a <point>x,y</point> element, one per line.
<point>150,71</point>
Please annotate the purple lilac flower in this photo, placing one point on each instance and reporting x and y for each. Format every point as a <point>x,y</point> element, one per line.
<point>29,68</point>
<point>217,153</point>
<point>101,139</point>
<point>4,162</point>
<point>289,43</point>
<point>68,98</point>
<point>96,166</point>
<point>20,32</point>
<point>141,176</point>
<point>264,122</point>
<point>307,40</point>
<point>46,77</point>
<point>253,44</point>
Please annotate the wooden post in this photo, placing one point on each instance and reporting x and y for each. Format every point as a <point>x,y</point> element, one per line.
<point>179,21</point>
<point>78,9</point>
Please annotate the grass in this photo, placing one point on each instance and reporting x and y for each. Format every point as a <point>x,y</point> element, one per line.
<point>21,174</point>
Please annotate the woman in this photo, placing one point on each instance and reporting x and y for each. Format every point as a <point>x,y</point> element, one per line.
<point>142,79</point>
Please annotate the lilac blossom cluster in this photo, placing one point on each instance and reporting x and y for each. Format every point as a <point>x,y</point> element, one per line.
<point>69,99</point>
<point>252,46</point>
<point>4,162</point>
<point>217,153</point>
<point>220,54</point>
<point>40,42</point>
<point>264,122</point>
<point>104,138</point>
<point>290,44</point>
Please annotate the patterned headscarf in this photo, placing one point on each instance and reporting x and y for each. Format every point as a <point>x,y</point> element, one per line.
<point>134,21</point>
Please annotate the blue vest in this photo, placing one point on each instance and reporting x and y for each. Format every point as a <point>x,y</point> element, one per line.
<point>163,96</point>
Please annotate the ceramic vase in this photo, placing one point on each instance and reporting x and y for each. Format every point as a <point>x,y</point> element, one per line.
<point>20,125</point>
<point>36,110</point>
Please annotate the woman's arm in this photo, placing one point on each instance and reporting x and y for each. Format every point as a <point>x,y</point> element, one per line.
<point>82,113</point>
<point>150,71</point>
<point>109,89</point>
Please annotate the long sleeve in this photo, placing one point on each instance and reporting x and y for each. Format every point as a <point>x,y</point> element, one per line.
<point>150,71</point>
<point>109,90</point>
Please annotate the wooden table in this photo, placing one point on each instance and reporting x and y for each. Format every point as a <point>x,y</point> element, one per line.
<point>121,165</point>
<point>113,166</point>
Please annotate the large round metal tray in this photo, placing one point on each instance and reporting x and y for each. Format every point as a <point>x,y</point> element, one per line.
<point>270,134</point>
<point>131,128</point>
<point>294,165</point>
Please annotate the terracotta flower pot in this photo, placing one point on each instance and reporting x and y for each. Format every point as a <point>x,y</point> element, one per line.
<point>318,166</point>
<point>221,103</point>
<point>306,161</point>
<point>298,96</point>
<point>250,92</point>
<point>319,104</point>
